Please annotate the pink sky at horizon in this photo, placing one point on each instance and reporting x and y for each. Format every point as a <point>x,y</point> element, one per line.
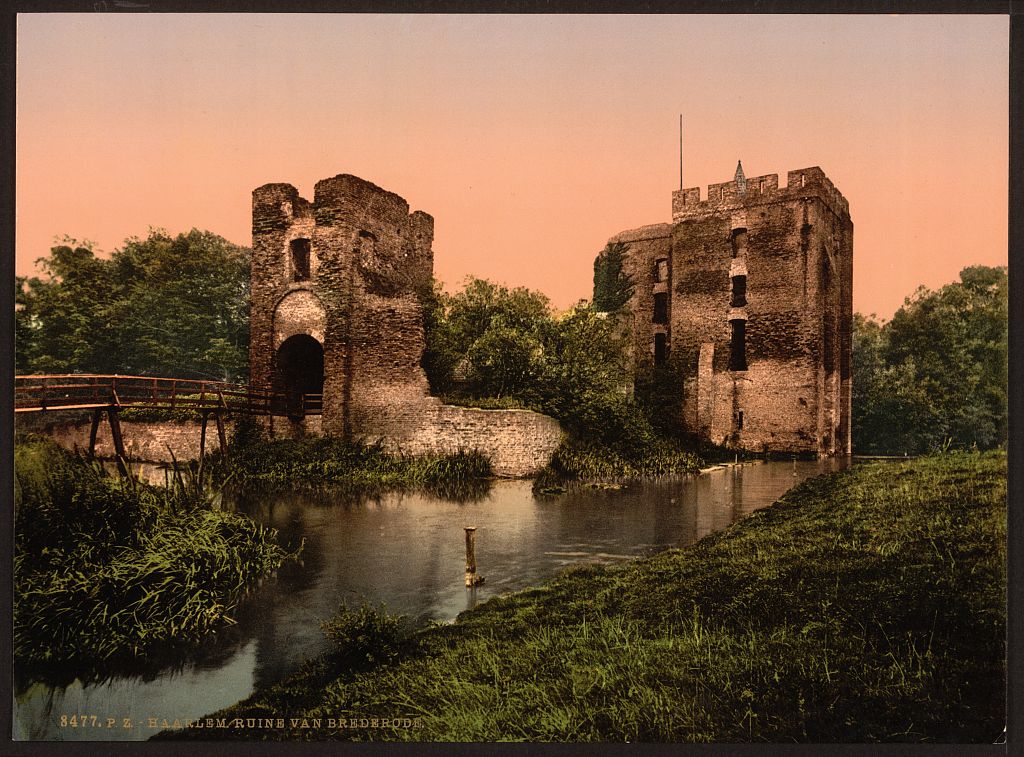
<point>530,139</point>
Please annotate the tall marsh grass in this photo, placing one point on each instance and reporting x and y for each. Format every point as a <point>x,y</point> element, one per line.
<point>578,459</point>
<point>108,569</point>
<point>316,462</point>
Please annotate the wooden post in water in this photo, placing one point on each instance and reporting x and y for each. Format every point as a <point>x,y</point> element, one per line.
<point>472,579</point>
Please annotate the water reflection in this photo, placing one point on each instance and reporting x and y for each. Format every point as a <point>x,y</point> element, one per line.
<point>407,551</point>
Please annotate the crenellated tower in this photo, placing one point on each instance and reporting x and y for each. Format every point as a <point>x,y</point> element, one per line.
<point>748,293</point>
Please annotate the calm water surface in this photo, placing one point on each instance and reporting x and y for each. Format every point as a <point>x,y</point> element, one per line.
<point>406,551</point>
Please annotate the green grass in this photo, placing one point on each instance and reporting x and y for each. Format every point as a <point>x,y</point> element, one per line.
<point>863,606</point>
<point>577,459</point>
<point>317,462</point>
<point>110,571</point>
<point>488,403</point>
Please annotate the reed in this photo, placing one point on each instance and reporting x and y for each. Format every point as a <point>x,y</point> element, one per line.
<point>578,459</point>
<point>109,569</point>
<point>317,462</point>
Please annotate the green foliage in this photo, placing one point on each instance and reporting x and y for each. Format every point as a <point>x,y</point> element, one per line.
<point>159,306</point>
<point>612,285</point>
<point>936,374</point>
<point>485,338</point>
<point>183,412</point>
<point>491,343</point>
<point>866,606</point>
<point>594,460</point>
<point>318,462</point>
<point>108,569</point>
<point>365,636</point>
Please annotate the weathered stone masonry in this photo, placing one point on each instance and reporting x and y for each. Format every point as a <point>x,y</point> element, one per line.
<point>335,310</point>
<point>750,292</point>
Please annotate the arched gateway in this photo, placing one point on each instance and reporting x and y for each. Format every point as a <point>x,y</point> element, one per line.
<point>335,309</point>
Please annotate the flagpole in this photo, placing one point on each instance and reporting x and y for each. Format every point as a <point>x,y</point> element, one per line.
<point>680,152</point>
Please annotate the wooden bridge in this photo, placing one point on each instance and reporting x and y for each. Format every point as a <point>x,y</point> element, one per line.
<point>111,393</point>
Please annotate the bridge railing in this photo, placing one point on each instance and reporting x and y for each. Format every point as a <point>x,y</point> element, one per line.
<point>81,391</point>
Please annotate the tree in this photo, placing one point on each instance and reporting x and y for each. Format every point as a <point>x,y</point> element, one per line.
<point>465,333</point>
<point>936,374</point>
<point>58,317</point>
<point>586,380</point>
<point>159,306</point>
<point>612,285</point>
<point>489,341</point>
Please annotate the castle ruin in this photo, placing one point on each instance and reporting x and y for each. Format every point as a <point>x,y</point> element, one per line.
<point>335,311</point>
<point>748,294</point>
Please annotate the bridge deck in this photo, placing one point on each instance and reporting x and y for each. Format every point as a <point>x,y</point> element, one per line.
<point>39,393</point>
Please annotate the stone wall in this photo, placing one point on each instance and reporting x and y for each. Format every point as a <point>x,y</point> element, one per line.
<point>646,246</point>
<point>369,258</point>
<point>143,441</point>
<point>518,442</point>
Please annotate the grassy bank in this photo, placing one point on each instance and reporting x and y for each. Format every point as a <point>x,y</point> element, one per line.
<point>314,462</point>
<point>109,570</point>
<point>863,606</point>
<point>578,459</point>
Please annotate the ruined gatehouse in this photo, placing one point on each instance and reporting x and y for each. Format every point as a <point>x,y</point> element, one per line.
<point>335,311</point>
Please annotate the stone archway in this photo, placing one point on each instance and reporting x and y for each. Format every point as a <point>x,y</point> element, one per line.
<point>299,366</point>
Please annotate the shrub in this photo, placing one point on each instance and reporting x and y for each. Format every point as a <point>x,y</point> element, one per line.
<point>364,636</point>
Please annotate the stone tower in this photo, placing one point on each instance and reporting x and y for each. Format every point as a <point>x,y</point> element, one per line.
<point>748,293</point>
<point>334,301</point>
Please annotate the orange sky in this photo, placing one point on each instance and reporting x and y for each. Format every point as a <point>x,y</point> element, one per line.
<point>530,139</point>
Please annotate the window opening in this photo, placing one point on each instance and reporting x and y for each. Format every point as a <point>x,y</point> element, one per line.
<point>660,308</point>
<point>739,291</point>
<point>300,259</point>
<point>739,242</point>
<point>739,421</point>
<point>660,349</point>
<point>738,346</point>
<point>661,270</point>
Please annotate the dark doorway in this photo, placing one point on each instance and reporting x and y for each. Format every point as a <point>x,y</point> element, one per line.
<point>300,366</point>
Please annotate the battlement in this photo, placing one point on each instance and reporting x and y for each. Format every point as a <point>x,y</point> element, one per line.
<point>726,196</point>
<point>362,203</point>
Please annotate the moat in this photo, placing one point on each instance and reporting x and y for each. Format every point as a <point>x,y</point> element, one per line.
<point>406,551</point>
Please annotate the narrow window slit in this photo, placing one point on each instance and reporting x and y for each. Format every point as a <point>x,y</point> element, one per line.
<point>739,291</point>
<point>738,345</point>
<point>300,259</point>
<point>660,308</point>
